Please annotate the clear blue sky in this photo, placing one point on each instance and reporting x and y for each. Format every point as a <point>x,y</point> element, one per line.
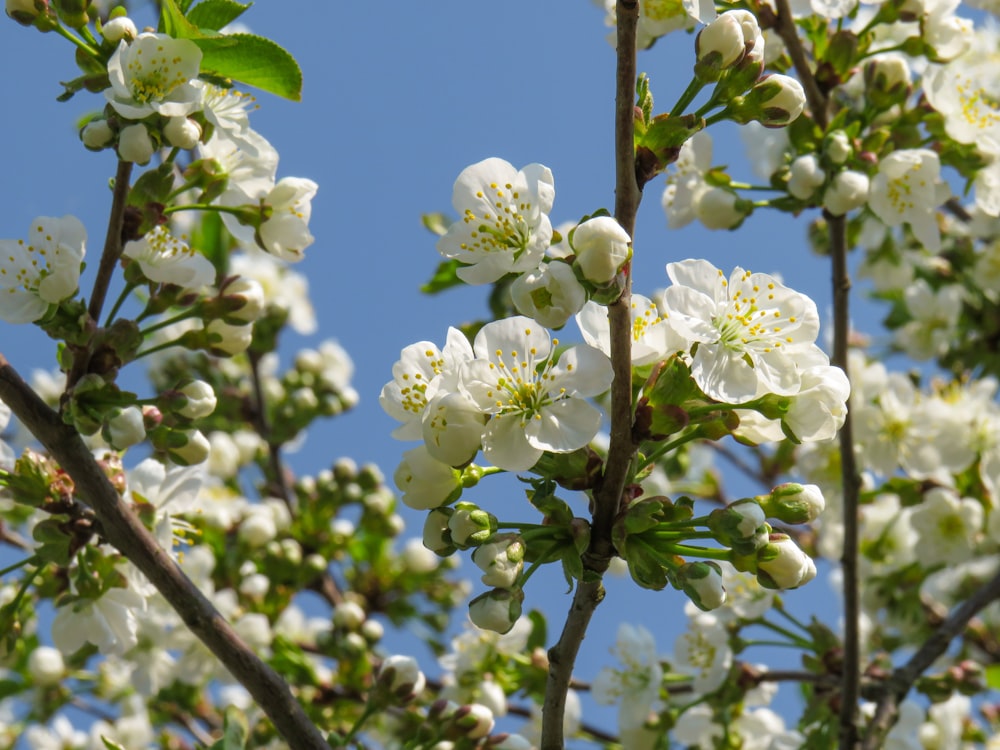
<point>398,98</point>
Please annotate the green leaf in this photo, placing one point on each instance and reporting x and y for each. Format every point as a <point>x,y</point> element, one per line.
<point>993,676</point>
<point>253,60</point>
<point>173,22</point>
<point>236,731</point>
<point>214,14</point>
<point>111,744</point>
<point>444,277</point>
<point>538,637</point>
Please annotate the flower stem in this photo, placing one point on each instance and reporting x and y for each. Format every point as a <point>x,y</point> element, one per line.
<point>792,637</point>
<point>67,34</point>
<point>666,448</point>
<point>687,97</point>
<point>539,562</point>
<point>119,302</point>
<point>15,566</point>
<point>169,321</point>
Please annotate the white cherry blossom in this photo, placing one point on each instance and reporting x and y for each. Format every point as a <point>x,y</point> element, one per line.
<point>753,334</point>
<point>906,190</point>
<point>653,338</point>
<point>43,271</point>
<point>154,74</point>
<point>637,684</point>
<point>503,225</point>
<point>536,404</point>
<point>167,259</point>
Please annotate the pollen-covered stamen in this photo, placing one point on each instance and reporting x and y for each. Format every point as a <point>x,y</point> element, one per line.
<point>501,223</point>
<point>153,74</point>
<point>648,317</point>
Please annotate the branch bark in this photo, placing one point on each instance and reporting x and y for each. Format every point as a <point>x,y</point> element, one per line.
<point>607,497</point>
<point>124,530</point>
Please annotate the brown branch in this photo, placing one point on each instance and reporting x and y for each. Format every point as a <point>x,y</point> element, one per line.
<point>112,241</point>
<point>607,497</point>
<point>124,530</point>
<point>902,679</point>
<point>785,28</point>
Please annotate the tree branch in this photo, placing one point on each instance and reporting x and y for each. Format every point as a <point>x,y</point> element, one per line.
<point>112,240</point>
<point>902,679</point>
<point>124,530</point>
<point>607,497</point>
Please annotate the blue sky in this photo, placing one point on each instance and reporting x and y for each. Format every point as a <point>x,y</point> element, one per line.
<point>398,99</point>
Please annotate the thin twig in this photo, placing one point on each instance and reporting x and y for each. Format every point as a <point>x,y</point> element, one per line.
<point>112,240</point>
<point>790,36</point>
<point>902,679</point>
<point>607,497</point>
<point>125,531</point>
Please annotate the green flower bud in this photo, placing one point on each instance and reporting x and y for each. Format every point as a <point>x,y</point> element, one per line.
<point>496,610</point>
<point>793,503</point>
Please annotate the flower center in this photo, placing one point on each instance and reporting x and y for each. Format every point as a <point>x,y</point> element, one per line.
<point>502,228</point>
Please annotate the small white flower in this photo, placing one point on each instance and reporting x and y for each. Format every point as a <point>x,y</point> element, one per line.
<point>637,684</point>
<point>46,666</point>
<point>452,428</point>
<point>550,294</point>
<point>503,224</point>
<point>285,231</point>
<point>108,622</point>
<point>907,189</point>
<point>947,526</point>
<point>753,333</point>
<point>167,259</point>
<point>426,482</point>
<point>536,404</point>
<point>154,74</point>
<point>805,175</point>
<point>686,180</point>
<point>703,651</point>
<point>43,271</point>
<point>653,338</point>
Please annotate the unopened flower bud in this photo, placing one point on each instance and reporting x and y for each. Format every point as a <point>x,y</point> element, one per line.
<point>135,145</point>
<point>838,147</point>
<point>774,101</point>
<point>248,297</point>
<point>718,208</point>
<point>194,450</point>
<point>182,132</point>
<point>501,559</point>
<point>119,28</point>
<point>511,742</point>
<point>848,190</point>
<point>200,401</point>
<point>125,429</point>
<point>349,615</point>
<point>426,482</point>
<point>25,11</point>
<point>228,340</point>
<point>805,175</point>
<point>887,81</point>
<point>702,582</point>
<point>257,529</point>
<point>372,631</point>
<point>781,564</point>
<point>97,134</point>
<point>602,247</point>
<point>401,677</point>
<point>46,666</point>
<point>470,525</point>
<point>794,503</point>
<point>437,536</point>
<point>474,720</point>
<point>720,44</point>
<point>496,610</point>
<point>740,525</point>
<point>550,294</point>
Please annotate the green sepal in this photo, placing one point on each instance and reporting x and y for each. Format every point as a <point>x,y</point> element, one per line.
<point>556,511</point>
<point>578,470</point>
<point>538,638</point>
<point>236,732</point>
